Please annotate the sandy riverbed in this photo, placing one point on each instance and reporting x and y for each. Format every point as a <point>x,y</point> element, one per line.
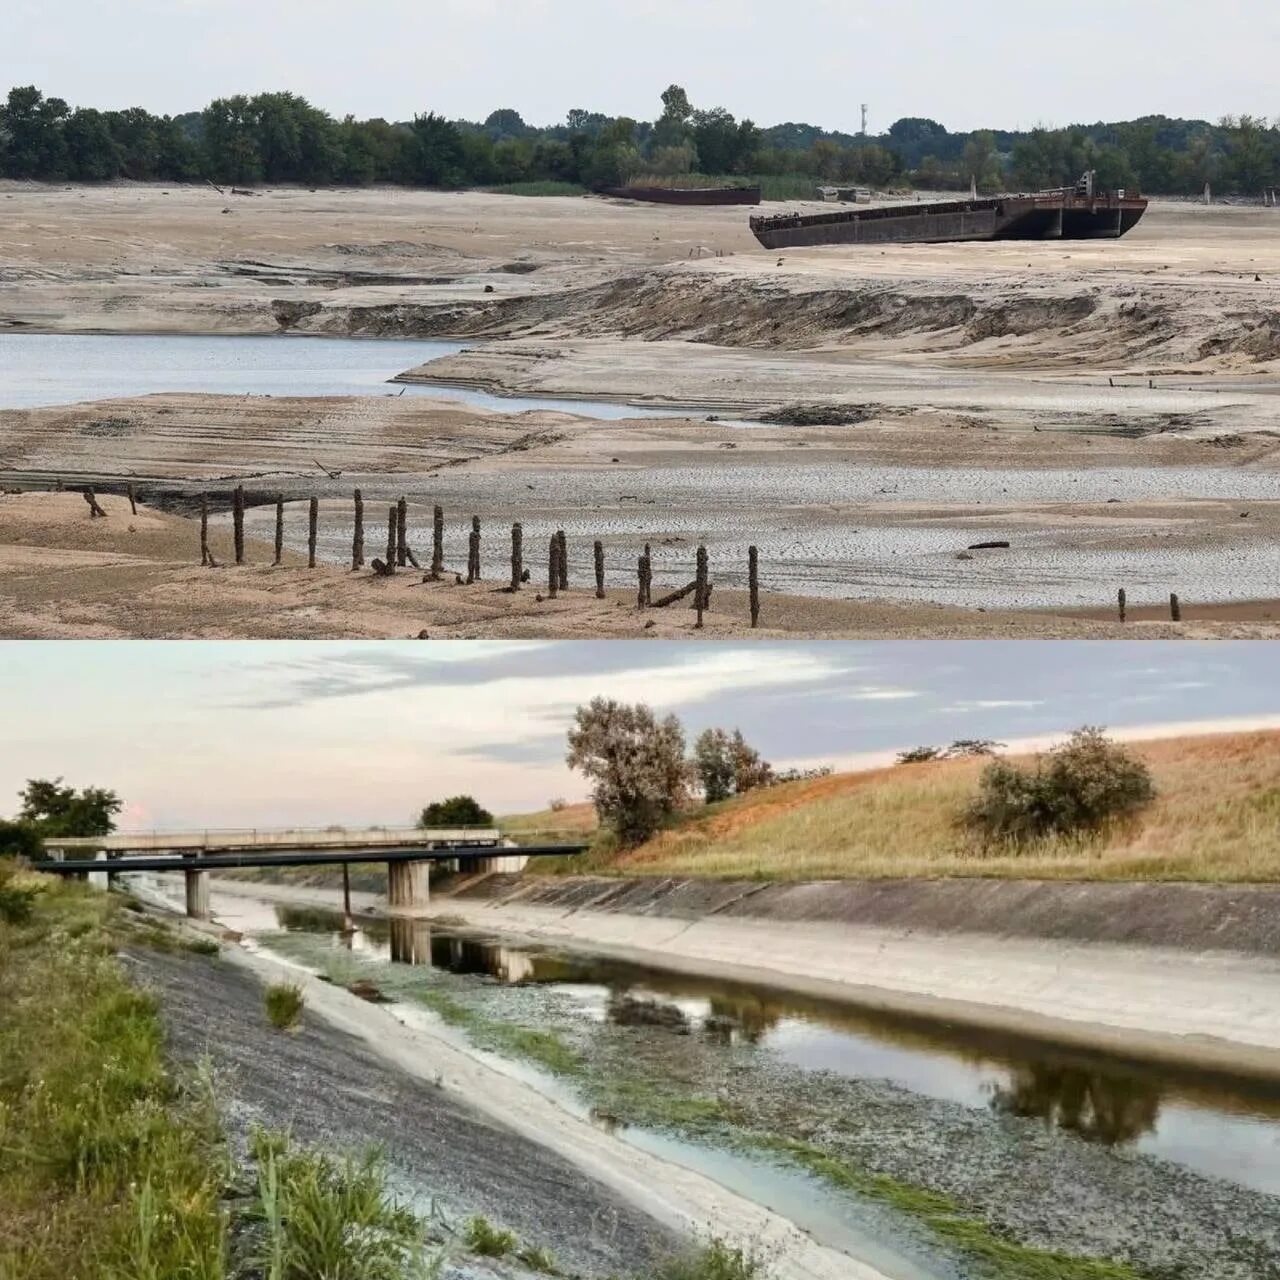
<point>1110,409</point>
<point>66,575</point>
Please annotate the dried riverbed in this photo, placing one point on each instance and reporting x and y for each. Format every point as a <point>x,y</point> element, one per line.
<point>873,1142</point>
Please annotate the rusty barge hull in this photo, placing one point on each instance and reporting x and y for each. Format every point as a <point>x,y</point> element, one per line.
<point>1048,216</point>
<point>686,195</point>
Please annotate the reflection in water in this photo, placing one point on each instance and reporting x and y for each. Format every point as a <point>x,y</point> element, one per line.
<point>742,1018</point>
<point>627,1010</point>
<point>1106,1108</point>
<point>1215,1129</point>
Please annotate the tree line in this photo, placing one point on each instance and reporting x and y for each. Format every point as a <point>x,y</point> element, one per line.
<point>282,138</point>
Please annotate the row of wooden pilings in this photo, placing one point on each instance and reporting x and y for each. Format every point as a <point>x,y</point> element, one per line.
<point>400,555</point>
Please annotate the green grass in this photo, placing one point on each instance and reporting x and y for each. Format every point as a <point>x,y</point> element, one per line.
<point>284,1002</point>
<point>543,1048</point>
<point>487,1241</point>
<point>322,1217</point>
<point>717,1261</point>
<point>112,1169</point>
<point>543,188</point>
<point>998,1255</point>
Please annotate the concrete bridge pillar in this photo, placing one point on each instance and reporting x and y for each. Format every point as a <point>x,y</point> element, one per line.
<point>197,894</point>
<point>408,885</point>
<point>99,879</point>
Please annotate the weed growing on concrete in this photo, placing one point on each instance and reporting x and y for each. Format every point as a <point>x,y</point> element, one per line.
<point>486,1240</point>
<point>284,1003</point>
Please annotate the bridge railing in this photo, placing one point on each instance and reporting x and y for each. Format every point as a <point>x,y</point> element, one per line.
<point>333,836</point>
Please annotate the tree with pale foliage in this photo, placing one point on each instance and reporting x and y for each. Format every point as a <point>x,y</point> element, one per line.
<point>636,763</point>
<point>726,765</point>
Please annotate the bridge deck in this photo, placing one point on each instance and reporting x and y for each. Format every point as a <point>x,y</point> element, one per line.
<point>200,861</point>
<point>253,838</point>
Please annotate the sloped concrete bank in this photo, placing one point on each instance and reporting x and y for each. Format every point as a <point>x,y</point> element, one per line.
<point>1186,975</point>
<point>1193,917</point>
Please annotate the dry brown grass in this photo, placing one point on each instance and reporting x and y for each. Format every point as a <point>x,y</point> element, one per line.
<point>1216,818</point>
<point>572,820</point>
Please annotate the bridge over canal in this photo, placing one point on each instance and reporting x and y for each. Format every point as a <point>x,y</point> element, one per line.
<point>408,852</point>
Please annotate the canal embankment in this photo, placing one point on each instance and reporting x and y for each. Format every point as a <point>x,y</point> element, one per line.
<point>921,1147</point>
<point>1182,974</point>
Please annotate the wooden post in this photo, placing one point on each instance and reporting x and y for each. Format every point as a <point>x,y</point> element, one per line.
<point>346,896</point>
<point>1175,609</point>
<point>562,559</point>
<point>95,507</point>
<point>204,528</point>
<point>312,526</point>
<point>391,539</point>
<point>648,575</point>
<point>1122,603</point>
<point>517,555</point>
<point>237,517</point>
<point>473,556</point>
<point>753,583</point>
<point>700,591</point>
<point>357,534</point>
<point>599,552</point>
<point>279,528</point>
<point>437,542</point>
<point>133,500</point>
<point>553,566</point>
<point>402,533</point>
<point>640,582</point>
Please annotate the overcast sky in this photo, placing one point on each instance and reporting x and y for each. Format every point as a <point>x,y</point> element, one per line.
<point>1000,63</point>
<point>277,733</point>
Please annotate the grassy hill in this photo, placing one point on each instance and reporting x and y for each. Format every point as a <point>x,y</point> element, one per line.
<point>1216,818</point>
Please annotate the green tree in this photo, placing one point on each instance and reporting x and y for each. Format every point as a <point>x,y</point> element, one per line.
<point>714,765</point>
<point>31,140</point>
<point>1078,788</point>
<point>980,161</point>
<point>232,146</point>
<point>726,765</point>
<point>57,810</point>
<point>19,839</point>
<point>456,811</point>
<point>437,154</point>
<point>635,762</point>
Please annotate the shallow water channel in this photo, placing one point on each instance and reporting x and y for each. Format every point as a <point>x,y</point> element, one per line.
<point>50,369</point>
<point>1054,1150</point>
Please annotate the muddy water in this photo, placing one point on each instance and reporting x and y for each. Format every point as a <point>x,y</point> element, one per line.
<point>1232,1133</point>
<point>50,369</point>
<point>1092,1156</point>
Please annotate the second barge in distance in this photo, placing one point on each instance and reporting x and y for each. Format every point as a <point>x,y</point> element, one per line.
<point>1070,213</point>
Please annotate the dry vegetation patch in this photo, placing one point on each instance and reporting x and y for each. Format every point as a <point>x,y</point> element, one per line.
<point>1216,817</point>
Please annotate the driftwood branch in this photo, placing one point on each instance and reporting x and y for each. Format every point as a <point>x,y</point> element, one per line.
<point>663,601</point>
<point>94,509</point>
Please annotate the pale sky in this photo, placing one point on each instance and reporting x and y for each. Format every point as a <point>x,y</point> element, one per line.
<point>984,63</point>
<point>196,734</point>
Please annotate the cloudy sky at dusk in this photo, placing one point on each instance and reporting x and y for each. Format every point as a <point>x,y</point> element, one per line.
<point>275,733</point>
<point>992,63</point>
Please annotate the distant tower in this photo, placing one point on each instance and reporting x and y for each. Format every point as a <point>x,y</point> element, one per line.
<point>864,119</point>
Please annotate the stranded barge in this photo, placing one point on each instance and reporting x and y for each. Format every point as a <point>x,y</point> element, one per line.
<point>686,195</point>
<point>1071,213</point>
